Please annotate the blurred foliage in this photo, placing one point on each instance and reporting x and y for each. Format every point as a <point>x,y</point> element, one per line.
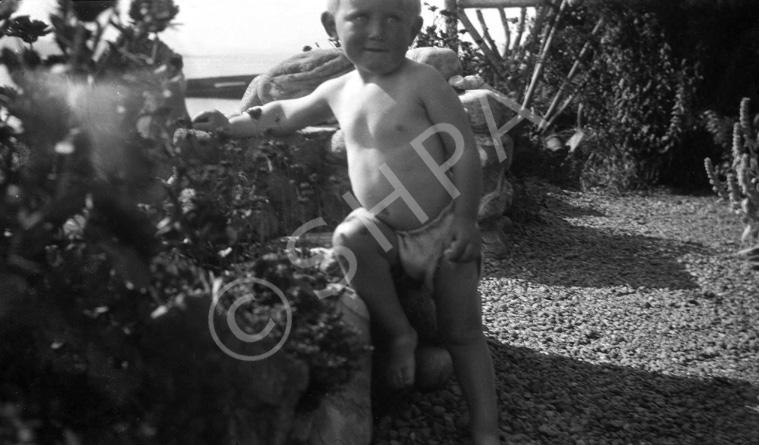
<point>114,239</point>
<point>26,29</point>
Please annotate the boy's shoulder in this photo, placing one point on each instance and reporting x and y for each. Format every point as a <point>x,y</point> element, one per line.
<point>422,71</point>
<point>337,82</point>
<point>331,87</point>
<point>423,78</point>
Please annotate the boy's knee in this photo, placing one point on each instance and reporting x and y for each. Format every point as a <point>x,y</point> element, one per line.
<point>350,233</point>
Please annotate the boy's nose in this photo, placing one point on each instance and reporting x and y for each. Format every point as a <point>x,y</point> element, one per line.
<point>376,30</point>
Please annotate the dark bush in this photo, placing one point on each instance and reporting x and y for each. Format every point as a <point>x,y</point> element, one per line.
<point>656,68</point>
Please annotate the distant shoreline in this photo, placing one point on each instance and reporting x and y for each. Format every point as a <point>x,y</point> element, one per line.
<point>222,87</point>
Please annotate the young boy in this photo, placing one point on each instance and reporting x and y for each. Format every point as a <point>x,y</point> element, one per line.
<point>415,173</point>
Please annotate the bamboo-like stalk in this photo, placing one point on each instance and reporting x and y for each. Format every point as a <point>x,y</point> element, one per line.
<point>542,28</point>
<point>506,32</point>
<point>540,63</point>
<point>527,49</point>
<point>564,106</point>
<point>486,36</point>
<point>520,28</point>
<point>493,58</point>
<point>572,72</point>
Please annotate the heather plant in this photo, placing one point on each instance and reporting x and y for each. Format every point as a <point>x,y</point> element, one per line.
<point>739,186</point>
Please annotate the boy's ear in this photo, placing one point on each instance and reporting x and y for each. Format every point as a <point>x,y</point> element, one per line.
<point>328,21</point>
<point>416,28</point>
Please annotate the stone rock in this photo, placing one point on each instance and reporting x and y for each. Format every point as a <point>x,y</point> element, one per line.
<point>444,59</point>
<point>497,197</point>
<point>296,76</point>
<point>554,143</point>
<point>264,393</point>
<point>346,416</point>
<point>474,102</point>
<point>467,82</point>
<point>250,97</point>
<point>434,367</point>
<point>491,155</point>
<point>336,147</point>
<point>497,192</point>
<point>497,201</point>
<point>495,241</point>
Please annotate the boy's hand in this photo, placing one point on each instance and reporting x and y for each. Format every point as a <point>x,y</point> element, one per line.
<point>465,241</point>
<point>211,121</point>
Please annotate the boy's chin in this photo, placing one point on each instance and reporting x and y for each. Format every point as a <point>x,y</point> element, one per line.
<point>381,68</point>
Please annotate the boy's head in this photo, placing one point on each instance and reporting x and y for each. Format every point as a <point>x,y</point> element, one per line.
<point>374,34</point>
<point>415,6</point>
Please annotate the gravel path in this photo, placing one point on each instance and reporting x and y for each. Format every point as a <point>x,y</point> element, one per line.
<point>613,320</point>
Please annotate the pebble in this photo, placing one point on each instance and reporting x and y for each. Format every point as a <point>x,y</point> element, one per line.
<point>652,336</point>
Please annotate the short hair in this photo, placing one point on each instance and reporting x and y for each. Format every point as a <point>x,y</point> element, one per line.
<point>415,5</point>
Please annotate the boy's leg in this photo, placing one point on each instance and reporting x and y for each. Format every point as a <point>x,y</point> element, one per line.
<point>459,315</point>
<point>374,284</point>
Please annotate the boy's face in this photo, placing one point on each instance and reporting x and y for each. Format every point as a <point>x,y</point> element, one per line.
<point>374,34</point>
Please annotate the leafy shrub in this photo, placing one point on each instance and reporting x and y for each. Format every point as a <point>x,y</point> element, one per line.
<point>652,75</point>
<point>661,77</point>
<point>436,35</point>
<point>120,241</point>
<point>635,92</point>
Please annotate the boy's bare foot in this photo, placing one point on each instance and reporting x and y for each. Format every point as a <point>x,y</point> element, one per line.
<point>401,364</point>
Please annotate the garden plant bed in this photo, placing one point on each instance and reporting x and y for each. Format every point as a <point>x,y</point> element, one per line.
<point>612,320</point>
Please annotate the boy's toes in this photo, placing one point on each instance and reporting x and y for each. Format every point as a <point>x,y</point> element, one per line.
<point>402,378</point>
<point>401,364</point>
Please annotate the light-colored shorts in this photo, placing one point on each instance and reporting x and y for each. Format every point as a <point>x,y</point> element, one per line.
<point>420,249</point>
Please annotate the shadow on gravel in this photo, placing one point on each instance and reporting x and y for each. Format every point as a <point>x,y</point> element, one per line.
<point>550,399</point>
<point>569,255</point>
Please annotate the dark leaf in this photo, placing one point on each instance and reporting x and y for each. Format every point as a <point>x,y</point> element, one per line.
<point>128,264</point>
<point>26,29</point>
<point>89,10</point>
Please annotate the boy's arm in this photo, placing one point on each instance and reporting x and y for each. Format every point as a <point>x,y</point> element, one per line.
<point>444,106</point>
<point>278,117</point>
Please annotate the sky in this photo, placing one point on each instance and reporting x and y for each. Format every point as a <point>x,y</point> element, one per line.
<point>228,37</point>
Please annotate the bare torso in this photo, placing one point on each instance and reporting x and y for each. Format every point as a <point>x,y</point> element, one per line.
<point>380,119</point>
